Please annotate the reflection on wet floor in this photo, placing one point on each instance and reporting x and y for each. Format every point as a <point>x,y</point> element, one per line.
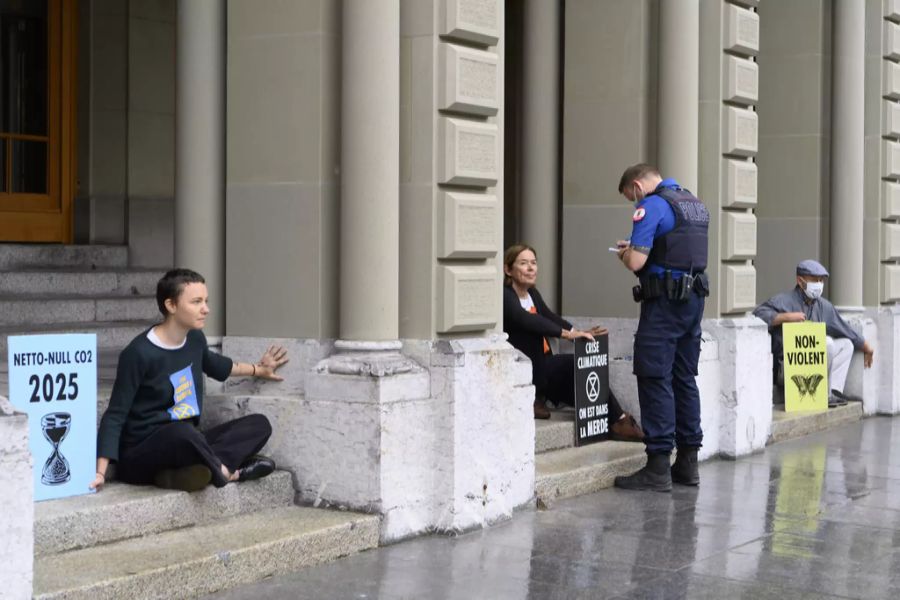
<point>817,517</point>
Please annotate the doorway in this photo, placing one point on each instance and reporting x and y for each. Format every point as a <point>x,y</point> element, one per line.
<point>37,120</point>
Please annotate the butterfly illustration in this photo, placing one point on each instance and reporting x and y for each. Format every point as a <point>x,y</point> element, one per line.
<point>807,384</point>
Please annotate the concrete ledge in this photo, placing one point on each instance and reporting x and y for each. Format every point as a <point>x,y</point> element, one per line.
<point>207,558</point>
<point>576,471</point>
<point>787,426</point>
<point>124,511</point>
<point>21,256</point>
<point>556,432</point>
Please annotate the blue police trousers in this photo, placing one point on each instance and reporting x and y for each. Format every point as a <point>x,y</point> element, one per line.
<point>666,353</point>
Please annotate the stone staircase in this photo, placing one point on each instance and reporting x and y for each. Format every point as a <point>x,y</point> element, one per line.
<point>75,289</point>
<point>563,471</point>
<point>144,542</point>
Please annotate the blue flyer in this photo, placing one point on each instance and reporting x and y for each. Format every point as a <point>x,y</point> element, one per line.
<point>53,378</point>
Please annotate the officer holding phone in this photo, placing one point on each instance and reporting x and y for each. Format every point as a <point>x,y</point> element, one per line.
<point>668,253</point>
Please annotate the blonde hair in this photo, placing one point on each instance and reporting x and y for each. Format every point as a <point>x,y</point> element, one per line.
<point>510,256</point>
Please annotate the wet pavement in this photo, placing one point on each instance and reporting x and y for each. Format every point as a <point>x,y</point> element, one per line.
<point>817,517</point>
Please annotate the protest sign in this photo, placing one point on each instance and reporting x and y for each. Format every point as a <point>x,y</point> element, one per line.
<point>591,390</point>
<point>53,378</point>
<point>805,367</point>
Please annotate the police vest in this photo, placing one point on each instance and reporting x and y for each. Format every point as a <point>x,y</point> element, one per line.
<point>685,248</point>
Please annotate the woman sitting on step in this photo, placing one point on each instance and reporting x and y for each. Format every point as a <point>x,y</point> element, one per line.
<point>151,425</point>
<point>529,322</point>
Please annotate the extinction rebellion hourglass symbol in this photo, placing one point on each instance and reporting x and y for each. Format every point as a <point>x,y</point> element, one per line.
<point>56,427</point>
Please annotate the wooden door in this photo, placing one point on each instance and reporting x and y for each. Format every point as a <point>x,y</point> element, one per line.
<point>37,119</point>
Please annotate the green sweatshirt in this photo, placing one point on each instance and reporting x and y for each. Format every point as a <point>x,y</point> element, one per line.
<point>155,386</point>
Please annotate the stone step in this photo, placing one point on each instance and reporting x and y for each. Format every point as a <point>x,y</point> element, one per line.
<point>787,426</point>
<point>556,432</point>
<point>124,511</point>
<point>80,282</point>
<point>27,310</point>
<point>206,558</point>
<point>576,471</point>
<point>112,335</point>
<point>23,256</point>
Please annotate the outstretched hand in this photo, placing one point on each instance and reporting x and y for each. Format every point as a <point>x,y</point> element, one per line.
<point>868,354</point>
<point>274,357</point>
<point>574,334</point>
<point>597,330</point>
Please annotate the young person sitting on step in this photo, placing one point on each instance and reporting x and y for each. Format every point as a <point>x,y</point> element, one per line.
<point>151,427</point>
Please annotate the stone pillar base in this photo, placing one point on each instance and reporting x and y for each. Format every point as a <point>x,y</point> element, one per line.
<point>439,438</point>
<point>17,500</point>
<point>879,387</point>
<point>745,384</point>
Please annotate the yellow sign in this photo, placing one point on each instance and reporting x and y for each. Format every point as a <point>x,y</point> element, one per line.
<point>805,367</point>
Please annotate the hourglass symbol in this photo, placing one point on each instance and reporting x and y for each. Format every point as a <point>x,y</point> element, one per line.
<point>56,427</point>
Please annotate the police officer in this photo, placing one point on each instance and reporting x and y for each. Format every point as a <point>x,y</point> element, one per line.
<point>668,253</point>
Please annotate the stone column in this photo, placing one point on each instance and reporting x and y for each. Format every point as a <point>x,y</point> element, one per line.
<point>370,171</point>
<point>679,90</point>
<point>540,140</point>
<point>847,153</point>
<point>200,148</point>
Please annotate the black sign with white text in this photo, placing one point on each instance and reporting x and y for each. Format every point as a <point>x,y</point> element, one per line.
<point>591,390</point>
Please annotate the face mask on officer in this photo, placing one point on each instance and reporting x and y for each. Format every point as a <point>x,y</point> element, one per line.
<point>813,289</point>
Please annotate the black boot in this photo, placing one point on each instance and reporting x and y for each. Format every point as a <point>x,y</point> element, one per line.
<point>655,476</point>
<point>685,470</point>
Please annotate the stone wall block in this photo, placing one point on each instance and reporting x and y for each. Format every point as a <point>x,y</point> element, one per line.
<point>740,185</point>
<point>890,238</point>
<point>470,151</point>
<point>890,283</point>
<point>739,235</point>
<point>469,82</point>
<point>739,293</point>
<point>891,80</point>
<point>892,10</point>
<point>470,225</point>
<point>741,80</point>
<point>475,21</point>
<point>891,164</point>
<point>890,121</point>
<point>468,298</point>
<point>740,132</point>
<point>741,30</point>
<point>891,200</point>
<point>891,41</point>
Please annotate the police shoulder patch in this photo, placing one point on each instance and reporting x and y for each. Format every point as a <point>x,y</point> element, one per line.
<point>638,215</point>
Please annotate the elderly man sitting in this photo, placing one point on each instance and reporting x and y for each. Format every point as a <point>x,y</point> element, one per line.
<point>805,303</point>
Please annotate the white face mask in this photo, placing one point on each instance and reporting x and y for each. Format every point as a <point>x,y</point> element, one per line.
<point>814,289</point>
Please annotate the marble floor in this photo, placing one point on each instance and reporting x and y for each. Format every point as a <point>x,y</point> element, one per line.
<point>817,517</point>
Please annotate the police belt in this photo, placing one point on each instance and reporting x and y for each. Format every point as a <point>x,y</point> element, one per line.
<point>678,290</point>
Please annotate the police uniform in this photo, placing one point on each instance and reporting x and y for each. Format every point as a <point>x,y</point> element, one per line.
<point>670,227</point>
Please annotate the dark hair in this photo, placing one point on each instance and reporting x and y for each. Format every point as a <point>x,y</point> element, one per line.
<point>172,284</point>
<point>510,256</point>
<point>635,172</point>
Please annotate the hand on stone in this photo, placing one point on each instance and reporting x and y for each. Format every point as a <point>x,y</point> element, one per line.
<point>275,357</point>
<point>597,330</point>
<point>868,354</point>
<point>98,482</point>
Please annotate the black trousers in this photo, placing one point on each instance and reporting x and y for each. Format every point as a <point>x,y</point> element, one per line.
<point>559,373</point>
<point>181,444</point>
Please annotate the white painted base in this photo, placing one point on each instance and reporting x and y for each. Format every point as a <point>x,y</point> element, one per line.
<point>886,368</point>
<point>17,500</point>
<point>439,438</point>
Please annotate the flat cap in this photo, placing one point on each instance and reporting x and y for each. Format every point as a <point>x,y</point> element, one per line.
<point>812,268</point>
